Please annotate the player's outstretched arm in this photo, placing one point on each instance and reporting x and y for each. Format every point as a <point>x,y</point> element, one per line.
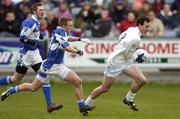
<point>73,50</point>
<point>72,39</point>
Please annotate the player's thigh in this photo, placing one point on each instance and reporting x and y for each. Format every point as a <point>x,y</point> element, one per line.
<point>16,77</point>
<point>73,78</point>
<point>36,84</point>
<point>135,73</point>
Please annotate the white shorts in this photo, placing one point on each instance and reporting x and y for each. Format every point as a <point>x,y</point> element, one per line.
<point>114,69</point>
<point>29,58</point>
<point>59,70</point>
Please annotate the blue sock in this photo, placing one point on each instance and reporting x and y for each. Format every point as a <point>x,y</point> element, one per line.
<point>81,103</point>
<point>5,80</point>
<point>13,90</point>
<point>47,94</point>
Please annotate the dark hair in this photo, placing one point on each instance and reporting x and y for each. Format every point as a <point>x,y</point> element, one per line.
<point>141,19</point>
<point>35,5</point>
<point>63,21</point>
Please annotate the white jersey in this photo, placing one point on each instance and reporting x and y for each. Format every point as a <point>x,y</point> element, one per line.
<point>122,58</point>
<point>128,43</point>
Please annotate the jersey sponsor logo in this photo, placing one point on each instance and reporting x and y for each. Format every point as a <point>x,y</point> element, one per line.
<point>100,48</point>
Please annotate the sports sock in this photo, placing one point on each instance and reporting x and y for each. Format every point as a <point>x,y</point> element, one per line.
<point>13,90</point>
<point>81,103</point>
<point>5,80</point>
<point>47,94</point>
<point>89,100</point>
<point>130,96</point>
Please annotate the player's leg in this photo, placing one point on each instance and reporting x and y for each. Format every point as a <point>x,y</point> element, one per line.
<point>138,81</point>
<point>75,80</point>
<point>19,73</point>
<point>110,73</point>
<point>46,87</point>
<point>104,87</point>
<point>71,77</point>
<point>47,92</point>
<point>35,85</point>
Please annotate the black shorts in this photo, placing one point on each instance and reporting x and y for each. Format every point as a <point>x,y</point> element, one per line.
<point>23,69</point>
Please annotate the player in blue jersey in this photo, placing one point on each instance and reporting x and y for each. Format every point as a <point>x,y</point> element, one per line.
<point>29,55</point>
<point>53,65</point>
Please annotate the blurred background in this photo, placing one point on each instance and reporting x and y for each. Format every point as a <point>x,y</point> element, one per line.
<point>102,21</point>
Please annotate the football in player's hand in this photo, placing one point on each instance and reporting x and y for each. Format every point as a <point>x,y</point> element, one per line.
<point>140,55</point>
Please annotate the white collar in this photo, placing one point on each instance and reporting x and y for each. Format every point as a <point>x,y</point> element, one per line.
<point>36,19</point>
<point>58,27</point>
<point>139,32</point>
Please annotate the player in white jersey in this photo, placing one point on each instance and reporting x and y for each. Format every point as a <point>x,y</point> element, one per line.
<point>29,55</point>
<point>53,65</point>
<point>122,60</point>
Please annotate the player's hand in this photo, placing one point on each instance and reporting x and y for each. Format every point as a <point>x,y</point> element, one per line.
<point>85,40</point>
<point>31,42</point>
<point>41,36</point>
<point>79,52</point>
<point>20,59</point>
<point>140,58</point>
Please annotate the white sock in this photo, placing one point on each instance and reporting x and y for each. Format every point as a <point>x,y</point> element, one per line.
<point>80,101</point>
<point>89,100</point>
<point>130,96</point>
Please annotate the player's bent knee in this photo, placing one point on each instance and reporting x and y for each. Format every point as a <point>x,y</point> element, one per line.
<point>15,79</point>
<point>78,82</point>
<point>143,81</point>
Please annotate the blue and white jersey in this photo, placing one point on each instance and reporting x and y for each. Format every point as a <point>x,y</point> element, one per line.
<point>30,29</point>
<point>56,48</point>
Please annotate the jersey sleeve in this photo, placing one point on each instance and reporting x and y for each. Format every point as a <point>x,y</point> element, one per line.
<point>26,28</point>
<point>64,43</point>
<point>62,40</point>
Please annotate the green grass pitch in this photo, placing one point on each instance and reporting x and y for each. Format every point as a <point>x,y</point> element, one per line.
<point>155,101</point>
